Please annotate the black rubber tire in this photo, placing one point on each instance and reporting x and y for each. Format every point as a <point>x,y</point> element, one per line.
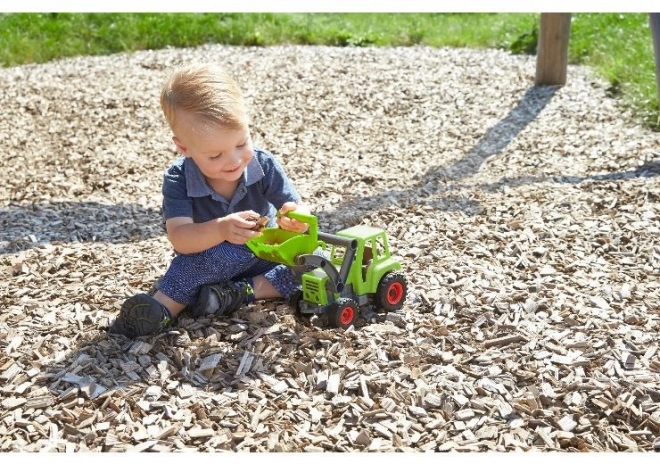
<point>342,313</point>
<point>391,292</point>
<point>294,301</point>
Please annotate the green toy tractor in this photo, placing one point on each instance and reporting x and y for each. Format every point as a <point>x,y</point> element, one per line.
<point>341,272</point>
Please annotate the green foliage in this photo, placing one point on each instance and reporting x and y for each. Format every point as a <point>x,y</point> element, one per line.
<point>40,37</point>
<point>618,46</point>
<point>347,39</point>
<point>526,43</point>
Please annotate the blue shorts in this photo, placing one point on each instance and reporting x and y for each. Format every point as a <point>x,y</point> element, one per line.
<point>187,273</point>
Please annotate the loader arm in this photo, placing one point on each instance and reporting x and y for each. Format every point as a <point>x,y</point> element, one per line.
<point>337,278</point>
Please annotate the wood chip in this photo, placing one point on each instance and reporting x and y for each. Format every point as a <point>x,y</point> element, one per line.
<point>505,340</point>
<point>525,220</point>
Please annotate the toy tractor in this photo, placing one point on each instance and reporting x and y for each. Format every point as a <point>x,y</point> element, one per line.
<point>341,272</point>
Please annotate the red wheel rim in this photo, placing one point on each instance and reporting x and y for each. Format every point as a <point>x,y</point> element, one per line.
<point>394,293</point>
<point>346,316</point>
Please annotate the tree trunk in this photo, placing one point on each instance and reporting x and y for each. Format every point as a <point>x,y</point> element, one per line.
<point>552,50</point>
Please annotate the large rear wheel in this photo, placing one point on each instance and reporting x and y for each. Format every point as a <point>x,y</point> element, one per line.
<point>342,313</point>
<point>391,292</point>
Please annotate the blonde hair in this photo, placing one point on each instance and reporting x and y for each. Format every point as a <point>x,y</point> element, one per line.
<point>207,92</point>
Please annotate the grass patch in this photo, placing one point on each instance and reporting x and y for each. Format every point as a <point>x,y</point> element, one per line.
<point>618,46</point>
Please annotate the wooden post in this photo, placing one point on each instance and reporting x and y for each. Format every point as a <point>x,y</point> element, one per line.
<point>552,49</point>
<point>654,19</point>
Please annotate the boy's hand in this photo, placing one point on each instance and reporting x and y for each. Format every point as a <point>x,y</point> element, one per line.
<point>292,224</point>
<point>238,228</point>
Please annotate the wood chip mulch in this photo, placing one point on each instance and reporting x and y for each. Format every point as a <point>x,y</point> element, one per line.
<point>527,221</point>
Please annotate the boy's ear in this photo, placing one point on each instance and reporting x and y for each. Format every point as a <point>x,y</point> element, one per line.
<point>183,150</point>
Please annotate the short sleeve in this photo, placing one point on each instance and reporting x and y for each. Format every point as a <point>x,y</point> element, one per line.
<point>176,202</point>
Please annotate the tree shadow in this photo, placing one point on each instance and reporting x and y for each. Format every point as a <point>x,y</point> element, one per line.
<point>648,169</point>
<point>498,137</point>
<point>457,196</point>
<point>26,226</point>
<point>491,144</point>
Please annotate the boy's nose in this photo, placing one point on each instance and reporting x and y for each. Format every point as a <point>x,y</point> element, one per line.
<point>236,155</point>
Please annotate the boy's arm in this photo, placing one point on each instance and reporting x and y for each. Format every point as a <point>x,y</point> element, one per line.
<point>188,237</point>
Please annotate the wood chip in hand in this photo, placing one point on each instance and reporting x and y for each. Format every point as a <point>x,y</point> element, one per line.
<point>259,222</point>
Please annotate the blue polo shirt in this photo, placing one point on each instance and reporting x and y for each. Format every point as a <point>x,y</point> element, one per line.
<point>264,188</point>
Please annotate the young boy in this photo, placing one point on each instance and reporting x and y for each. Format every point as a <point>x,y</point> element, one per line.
<point>211,196</point>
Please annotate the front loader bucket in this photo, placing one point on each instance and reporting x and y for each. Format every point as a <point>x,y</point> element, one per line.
<point>281,246</point>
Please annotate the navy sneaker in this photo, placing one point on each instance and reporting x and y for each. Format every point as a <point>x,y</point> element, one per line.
<point>219,299</point>
<point>141,315</point>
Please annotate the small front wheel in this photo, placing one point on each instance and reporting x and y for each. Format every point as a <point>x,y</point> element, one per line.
<point>391,292</point>
<point>342,313</point>
<point>294,301</point>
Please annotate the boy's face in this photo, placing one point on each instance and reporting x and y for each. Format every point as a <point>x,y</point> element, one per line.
<point>220,154</point>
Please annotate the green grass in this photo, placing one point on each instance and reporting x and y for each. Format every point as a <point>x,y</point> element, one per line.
<point>618,46</point>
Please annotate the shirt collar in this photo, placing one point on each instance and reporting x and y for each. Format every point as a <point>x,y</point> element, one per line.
<point>196,185</point>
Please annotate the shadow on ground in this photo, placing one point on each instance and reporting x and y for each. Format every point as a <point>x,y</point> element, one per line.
<point>498,137</point>
<point>112,375</point>
<point>26,226</point>
<point>23,227</point>
<point>492,144</point>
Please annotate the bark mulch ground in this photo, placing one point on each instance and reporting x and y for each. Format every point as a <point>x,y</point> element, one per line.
<point>526,220</point>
